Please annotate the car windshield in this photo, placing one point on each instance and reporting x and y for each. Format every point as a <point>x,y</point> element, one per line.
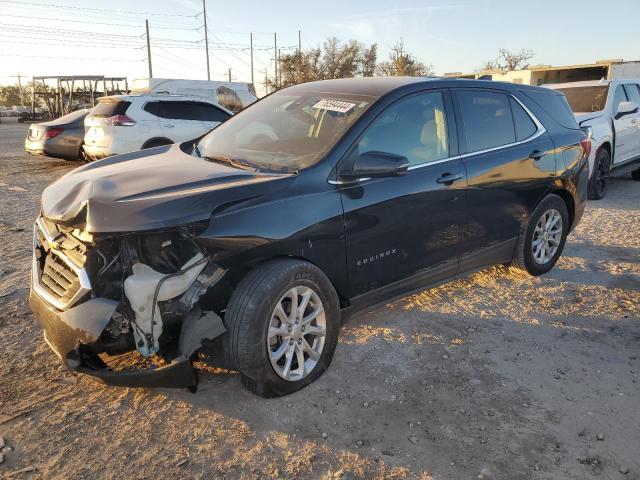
<point>284,132</point>
<point>586,99</point>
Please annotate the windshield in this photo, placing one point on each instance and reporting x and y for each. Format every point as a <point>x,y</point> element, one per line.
<point>586,99</point>
<point>284,132</point>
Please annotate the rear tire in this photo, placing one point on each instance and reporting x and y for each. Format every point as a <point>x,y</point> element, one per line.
<point>600,176</point>
<point>542,232</point>
<point>635,174</point>
<point>266,330</point>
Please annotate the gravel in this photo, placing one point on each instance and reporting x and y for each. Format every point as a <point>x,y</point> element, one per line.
<point>582,317</point>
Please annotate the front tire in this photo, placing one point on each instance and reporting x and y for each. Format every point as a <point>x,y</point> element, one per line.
<point>543,238</point>
<point>600,178</point>
<point>635,174</point>
<point>283,321</point>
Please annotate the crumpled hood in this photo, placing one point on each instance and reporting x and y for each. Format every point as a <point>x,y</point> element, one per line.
<point>584,117</point>
<point>155,188</point>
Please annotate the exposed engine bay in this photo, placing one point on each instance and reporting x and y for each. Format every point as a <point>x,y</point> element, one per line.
<point>126,292</point>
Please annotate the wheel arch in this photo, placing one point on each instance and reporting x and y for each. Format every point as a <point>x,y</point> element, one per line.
<point>607,146</point>
<point>223,290</point>
<point>569,202</point>
<point>159,140</point>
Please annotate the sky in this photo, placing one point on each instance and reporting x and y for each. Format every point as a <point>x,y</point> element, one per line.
<point>107,37</point>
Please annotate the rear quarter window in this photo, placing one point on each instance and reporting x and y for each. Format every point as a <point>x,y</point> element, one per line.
<point>110,107</point>
<point>556,106</point>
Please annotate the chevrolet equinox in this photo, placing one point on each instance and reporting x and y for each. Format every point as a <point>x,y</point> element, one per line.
<point>248,246</point>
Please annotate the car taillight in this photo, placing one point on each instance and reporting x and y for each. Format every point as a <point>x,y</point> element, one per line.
<point>586,146</point>
<point>120,121</point>
<point>53,132</point>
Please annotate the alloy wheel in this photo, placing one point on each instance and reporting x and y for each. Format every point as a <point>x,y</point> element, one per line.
<point>601,177</point>
<point>296,335</point>
<point>547,236</point>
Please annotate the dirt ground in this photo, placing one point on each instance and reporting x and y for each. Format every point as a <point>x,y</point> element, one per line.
<point>498,376</point>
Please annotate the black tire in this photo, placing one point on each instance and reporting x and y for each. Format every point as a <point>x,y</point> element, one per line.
<point>600,177</point>
<point>524,259</point>
<point>249,314</point>
<point>635,174</point>
<point>157,142</point>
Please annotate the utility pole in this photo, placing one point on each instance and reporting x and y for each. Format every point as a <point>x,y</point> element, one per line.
<point>229,74</point>
<point>19,77</point>
<point>279,71</point>
<point>146,22</point>
<point>266,82</point>
<point>33,96</point>
<point>251,43</point>
<point>206,36</point>
<point>299,56</point>
<point>275,54</point>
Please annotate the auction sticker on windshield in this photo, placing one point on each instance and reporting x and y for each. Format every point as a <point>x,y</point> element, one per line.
<point>334,105</point>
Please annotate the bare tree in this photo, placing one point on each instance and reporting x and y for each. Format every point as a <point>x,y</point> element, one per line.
<point>509,61</point>
<point>345,60</point>
<point>334,60</point>
<point>402,63</point>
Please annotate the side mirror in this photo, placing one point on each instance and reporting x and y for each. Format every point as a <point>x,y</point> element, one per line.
<point>625,108</point>
<point>377,165</point>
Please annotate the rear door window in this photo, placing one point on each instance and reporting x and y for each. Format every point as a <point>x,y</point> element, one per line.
<point>174,110</point>
<point>210,113</point>
<point>525,126</point>
<point>109,107</point>
<point>486,119</point>
<point>180,111</point>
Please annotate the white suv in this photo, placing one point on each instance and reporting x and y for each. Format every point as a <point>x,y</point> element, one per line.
<point>607,110</point>
<point>126,123</point>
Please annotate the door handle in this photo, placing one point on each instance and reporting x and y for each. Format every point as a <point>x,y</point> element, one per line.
<point>168,125</point>
<point>537,154</point>
<point>449,178</point>
<point>634,120</point>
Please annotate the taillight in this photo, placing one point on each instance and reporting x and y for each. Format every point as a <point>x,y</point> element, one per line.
<point>120,121</point>
<point>586,146</point>
<point>53,132</point>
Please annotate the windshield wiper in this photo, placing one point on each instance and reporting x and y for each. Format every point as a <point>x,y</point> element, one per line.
<point>231,161</point>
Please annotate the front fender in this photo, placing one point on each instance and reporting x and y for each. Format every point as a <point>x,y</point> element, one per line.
<point>308,226</point>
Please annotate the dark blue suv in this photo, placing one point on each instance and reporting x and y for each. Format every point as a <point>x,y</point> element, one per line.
<point>252,243</point>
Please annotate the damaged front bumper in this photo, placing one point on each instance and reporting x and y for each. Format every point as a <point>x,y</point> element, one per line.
<point>78,325</point>
<point>64,332</point>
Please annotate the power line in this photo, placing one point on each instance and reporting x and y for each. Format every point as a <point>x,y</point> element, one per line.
<point>71,58</point>
<point>127,12</point>
<point>93,23</point>
<point>83,35</point>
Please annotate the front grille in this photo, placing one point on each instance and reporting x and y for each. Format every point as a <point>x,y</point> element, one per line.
<point>58,261</point>
<point>59,279</point>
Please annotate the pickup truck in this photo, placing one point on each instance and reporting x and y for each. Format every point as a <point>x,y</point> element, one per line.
<point>607,111</point>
